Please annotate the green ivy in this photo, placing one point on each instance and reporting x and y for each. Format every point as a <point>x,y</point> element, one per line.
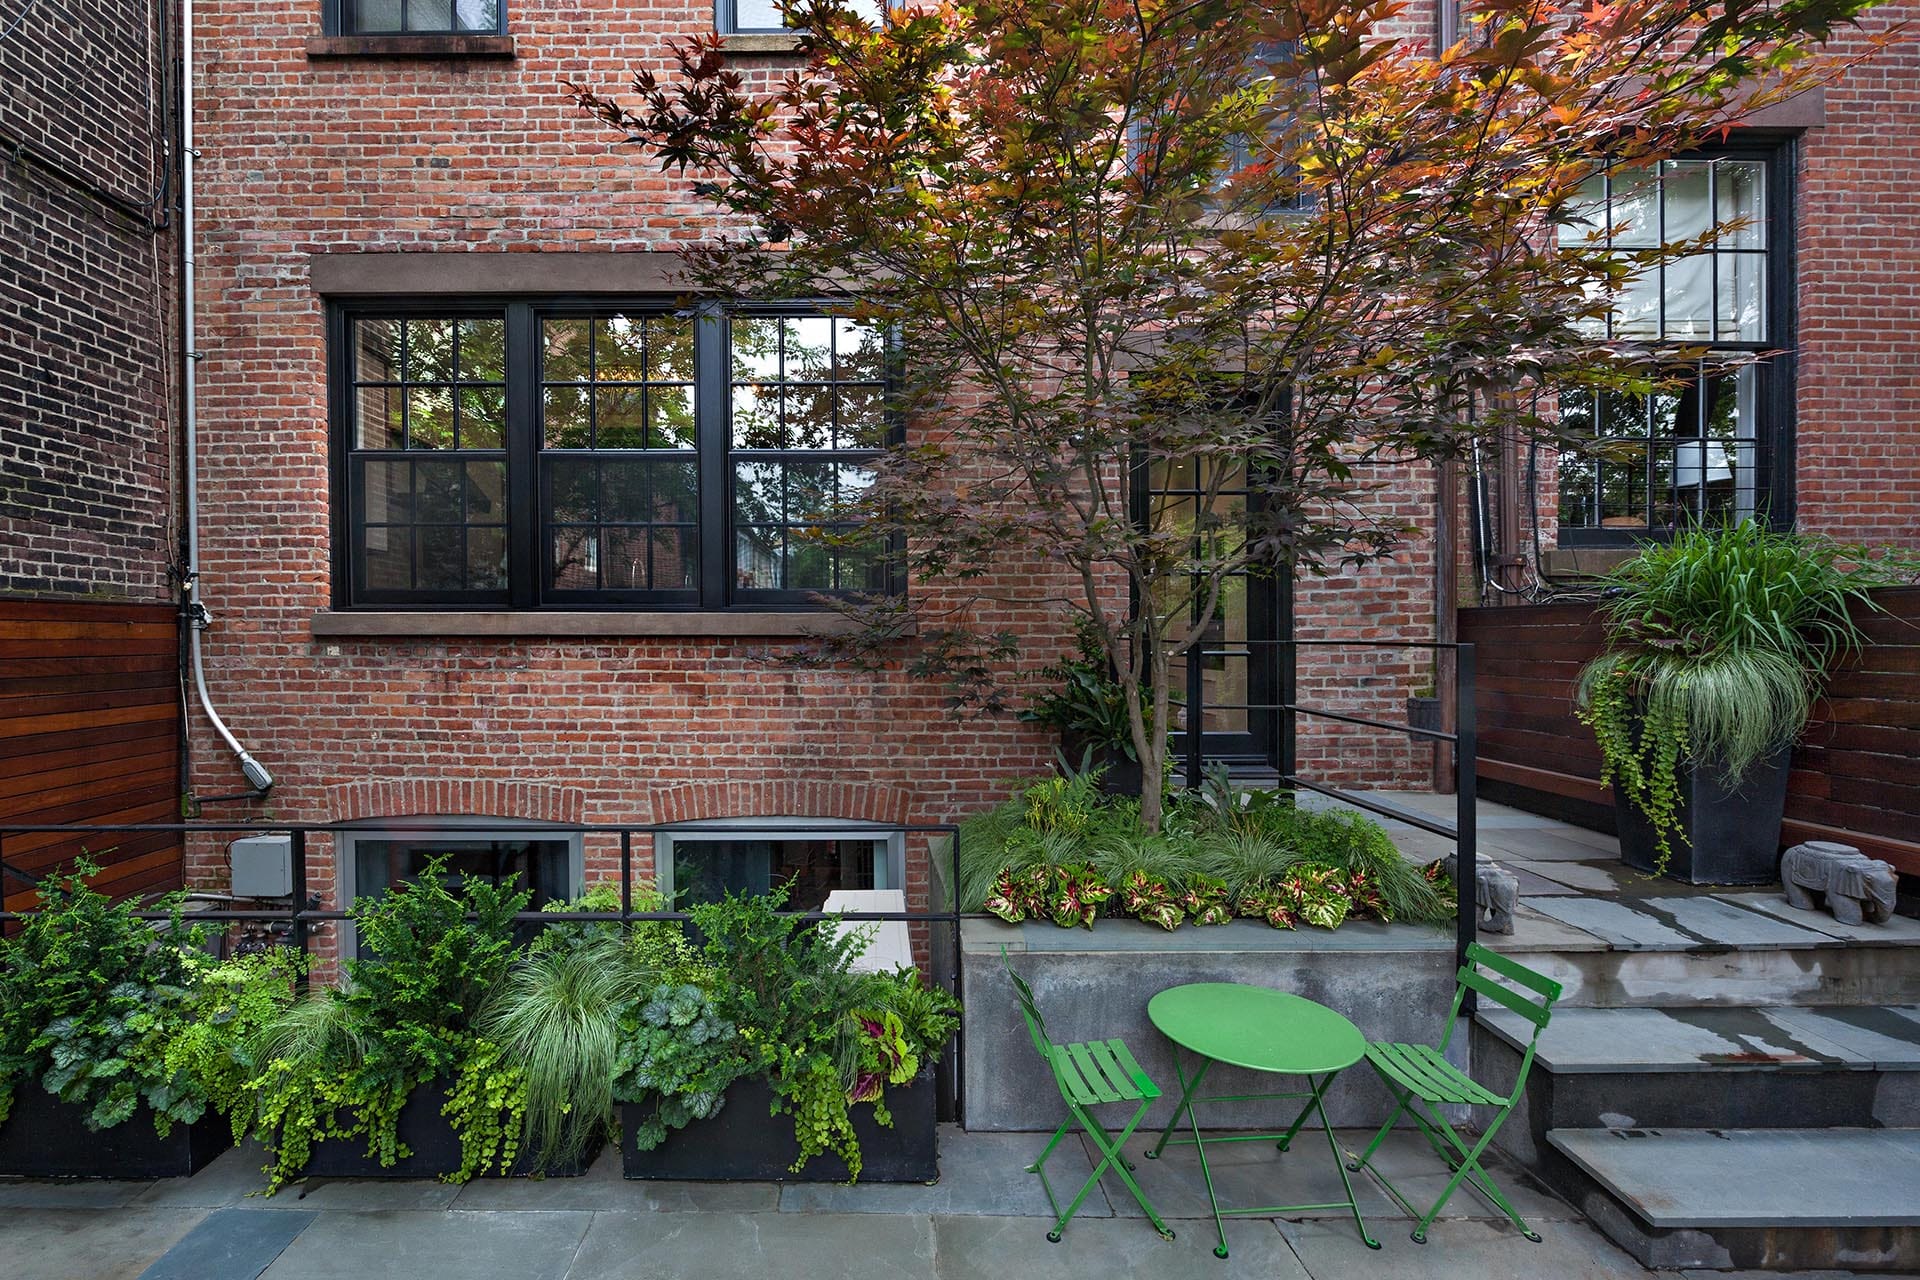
<point>1641,746</point>
<point>488,1108</point>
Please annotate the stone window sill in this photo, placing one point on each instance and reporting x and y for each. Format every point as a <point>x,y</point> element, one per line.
<point>507,624</point>
<point>762,42</point>
<point>410,46</point>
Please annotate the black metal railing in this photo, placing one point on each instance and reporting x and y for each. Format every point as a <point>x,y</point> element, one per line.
<point>1462,830</point>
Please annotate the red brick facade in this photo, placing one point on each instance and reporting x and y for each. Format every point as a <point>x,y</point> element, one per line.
<point>308,159</point>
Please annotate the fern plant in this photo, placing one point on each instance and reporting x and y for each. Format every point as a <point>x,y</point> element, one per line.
<point>1718,644</point>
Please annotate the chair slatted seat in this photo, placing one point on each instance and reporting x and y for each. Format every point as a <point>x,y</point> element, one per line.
<point>1088,1074</point>
<point>1422,1080</point>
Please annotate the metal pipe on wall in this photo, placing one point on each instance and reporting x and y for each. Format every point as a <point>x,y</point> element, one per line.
<point>198,619</point>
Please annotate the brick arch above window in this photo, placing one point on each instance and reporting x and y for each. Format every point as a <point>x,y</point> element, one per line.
<point>861,801</point>
<point>412,797</point>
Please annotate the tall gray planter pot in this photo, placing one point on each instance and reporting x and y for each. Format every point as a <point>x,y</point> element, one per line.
<point>1732,827</point>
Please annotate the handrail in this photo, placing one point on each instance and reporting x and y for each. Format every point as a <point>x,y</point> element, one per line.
<point>1462,830</point>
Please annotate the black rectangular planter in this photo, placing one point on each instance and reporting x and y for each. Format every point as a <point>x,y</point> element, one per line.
<point>435,1146</point>
<point>1733,833</point>
<point>743,1143</point>
<point>47,1138</point>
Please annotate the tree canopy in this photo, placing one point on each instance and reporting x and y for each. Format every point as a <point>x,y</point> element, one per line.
<point>1263,241</point>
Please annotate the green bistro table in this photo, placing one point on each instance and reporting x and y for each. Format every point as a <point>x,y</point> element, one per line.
<point>1261,1030</point>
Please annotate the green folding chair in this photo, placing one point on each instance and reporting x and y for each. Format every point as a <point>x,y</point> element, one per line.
<point>1421,1080</point>
<point>1088,1075</point>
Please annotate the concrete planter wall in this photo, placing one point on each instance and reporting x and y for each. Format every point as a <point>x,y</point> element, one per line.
<point>1393,981</point>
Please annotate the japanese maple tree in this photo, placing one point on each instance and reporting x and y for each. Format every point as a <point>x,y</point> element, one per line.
<point>1259,242</point>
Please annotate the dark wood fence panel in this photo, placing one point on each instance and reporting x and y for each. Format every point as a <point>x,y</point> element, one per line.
<point>1856,774</point>
<point>89,733</point>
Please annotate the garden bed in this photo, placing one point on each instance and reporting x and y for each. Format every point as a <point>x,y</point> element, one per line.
<point>44,1137</point>
<point>747,1144</point>
<point>431,1138</point>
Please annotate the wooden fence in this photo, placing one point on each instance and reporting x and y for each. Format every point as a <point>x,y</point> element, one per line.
<point>90,733</point>
<point>1856,775</point>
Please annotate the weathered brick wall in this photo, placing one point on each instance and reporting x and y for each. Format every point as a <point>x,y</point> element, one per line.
<point>86,290</point>
<point>1858,245</point>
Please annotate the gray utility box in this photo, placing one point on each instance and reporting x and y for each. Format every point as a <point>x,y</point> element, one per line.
<point>262,866</point>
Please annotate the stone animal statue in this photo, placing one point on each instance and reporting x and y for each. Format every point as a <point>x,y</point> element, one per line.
<point>1857,888</point>
<point>1495,891</point>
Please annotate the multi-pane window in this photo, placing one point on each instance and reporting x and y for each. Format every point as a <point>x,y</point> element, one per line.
<point>619,460</point>
<point>1230,669</point>
<point>429,461</point>
<point>420,17</point>
<point>1702,446</point>
<point>529,455</point>
<point>808,403</point>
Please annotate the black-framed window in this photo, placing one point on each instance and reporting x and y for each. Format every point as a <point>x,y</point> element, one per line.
<point>758,17</point>
<point>416,17</point>
<point>566,454</point>
<point>547,865</point>
<point>1233,666</point>
<point>1715,442</point>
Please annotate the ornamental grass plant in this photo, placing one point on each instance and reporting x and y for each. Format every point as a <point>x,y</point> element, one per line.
<point>1718,643</point>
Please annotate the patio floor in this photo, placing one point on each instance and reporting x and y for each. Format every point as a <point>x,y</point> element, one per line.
<point>984,1218</point>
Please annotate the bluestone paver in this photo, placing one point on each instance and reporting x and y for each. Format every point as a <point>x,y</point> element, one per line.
<point>1246,1175</point>
<point>88,1244</point>
<point>980,1173</point>
<point>429,1245</point>
<point>754,1246</point>
<point>973,1248</point>
<point>1679,1039</point>
<point>230,1244</point>
<point>1754,1177</point>
<point>1456,1249</point>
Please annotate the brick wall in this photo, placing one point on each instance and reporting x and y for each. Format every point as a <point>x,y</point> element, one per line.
<point>86,288</point>
<point>1858,245</point>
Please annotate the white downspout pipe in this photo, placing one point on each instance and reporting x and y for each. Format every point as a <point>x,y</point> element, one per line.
<point>198,619</point>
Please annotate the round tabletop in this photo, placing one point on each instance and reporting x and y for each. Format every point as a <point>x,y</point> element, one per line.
<point>1257,1027</point>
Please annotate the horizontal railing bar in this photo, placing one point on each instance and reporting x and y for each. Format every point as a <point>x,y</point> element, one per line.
<point>527,917</point>
<point>1360,644</point>
<point>1412,817</point>
<point>1437,735</point>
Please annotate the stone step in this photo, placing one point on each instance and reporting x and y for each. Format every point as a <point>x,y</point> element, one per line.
<point>1731,948</point>
<point>1766,1067</point>
<point>1774,1199</point>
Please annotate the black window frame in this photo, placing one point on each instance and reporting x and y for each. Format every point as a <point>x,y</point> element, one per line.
<point>1773,373</point>
<point>717,591</point>
<point>336,20</point>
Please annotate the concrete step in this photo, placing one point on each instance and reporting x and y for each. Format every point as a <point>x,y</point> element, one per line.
<point>1674,949</point>
<point>1767,1067</point>
<point>1773,1199</point>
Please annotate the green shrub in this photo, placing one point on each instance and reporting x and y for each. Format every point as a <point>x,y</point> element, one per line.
<point>90,995</point>
<point>342,1064</point>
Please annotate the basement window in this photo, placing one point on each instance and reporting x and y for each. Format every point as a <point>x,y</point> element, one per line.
<point>549,865</point>
<point>707,862</point>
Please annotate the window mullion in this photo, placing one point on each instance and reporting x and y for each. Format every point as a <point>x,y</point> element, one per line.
<point>523,456</point>
<point>711,379</point>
